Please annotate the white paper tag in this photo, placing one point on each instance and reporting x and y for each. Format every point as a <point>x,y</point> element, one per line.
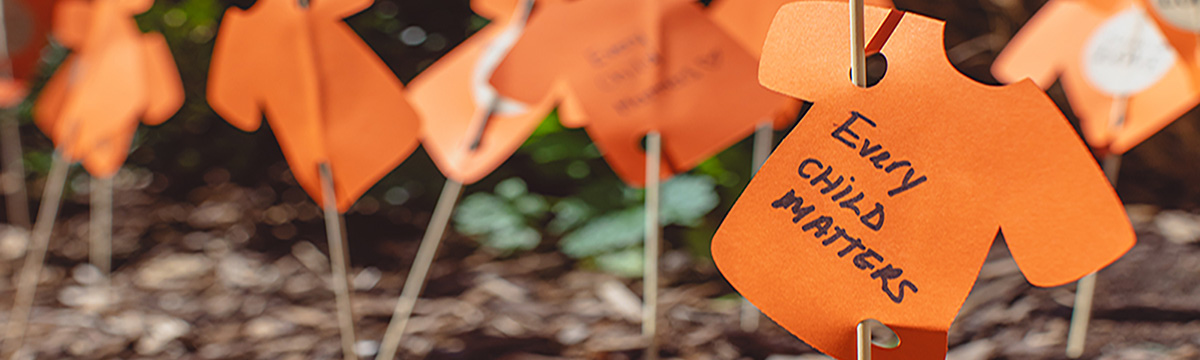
<point>1127,54</point>
<point>1183,14</point>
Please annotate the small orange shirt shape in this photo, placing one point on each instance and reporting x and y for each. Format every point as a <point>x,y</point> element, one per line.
<point>630,67</point>
<point>456,102</point>
<point>883,202</point>
<point>114,76</point>
<point>1055,44</point>
<point>327,96</point>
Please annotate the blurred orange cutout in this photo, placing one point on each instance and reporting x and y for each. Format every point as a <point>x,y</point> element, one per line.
<point>1180,23</point>
<point>114,76</point>
<point>1091,47</point>
<point>748,21</point>
<point>458,106</point>
<point>884,201</point>
<point>629,67</point>
<point>27,27</point>
<point>328,97</point>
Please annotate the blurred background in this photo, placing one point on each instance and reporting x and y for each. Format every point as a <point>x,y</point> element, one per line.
<point>219,254</point>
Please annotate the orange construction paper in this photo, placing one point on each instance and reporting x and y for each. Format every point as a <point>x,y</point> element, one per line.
<point>456,102</point>
<point>114,76</point>
<point>1053,44</point>
<point>26,26</point>
<point>748,21</point>
<point>328,97</point>
<point>1185,37</point>
<point>883,202</point>
<point>630,67</point>
<point>26,29</point>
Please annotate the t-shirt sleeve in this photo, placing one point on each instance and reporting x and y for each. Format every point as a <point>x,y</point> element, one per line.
<point>1041,48</point>
<point>534,63</point>
<point>1059,215</point>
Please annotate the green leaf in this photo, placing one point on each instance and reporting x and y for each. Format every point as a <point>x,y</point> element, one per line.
<point>628,263</point>
<point>686,199</point>
<point>511,188</point>
<point>613,231</point>
<point>531,205</point>
<point>483,213</point>
<point>513,239</point>
<point>568,213</point>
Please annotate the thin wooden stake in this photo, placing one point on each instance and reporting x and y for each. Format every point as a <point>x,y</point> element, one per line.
<point>858,56</point>
<point>12,180</point>
<point>858,75</point>
<point>420,269</point>
<point>34,258</point>
<point>1085,289</point>
<point>337,258</point>
<point>652,241</point>
<point>764,137</point>
<point>101,225</point>
<point>864,340</point>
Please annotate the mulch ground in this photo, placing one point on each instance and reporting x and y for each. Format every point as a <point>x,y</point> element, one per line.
<point>237,273</point>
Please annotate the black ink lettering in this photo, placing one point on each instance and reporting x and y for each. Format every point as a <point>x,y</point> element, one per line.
<point>822,225</point>
<point>824,177</point>
<point>867,149</point>
<point>805,163</point>
<point>861,262</point>
<point>881,157</point>
<point>845,128</point>
<point>854,244</point>
<point>850,203</point>
<point>906,184</point>
<point>877,215</point>
<point>838,233</point>
<point>797,204</point>
<point>896,165</point>
<point>844,192</point>
<point>889,273</point>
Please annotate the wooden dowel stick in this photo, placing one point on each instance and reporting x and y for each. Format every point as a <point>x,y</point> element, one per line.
<point>652,242</point>
<point>101,225</point>
<point>12,180</point>
<point>420,269</point>
<point>338,259</point>
<point>764,137</point>
<point>1085,289</point>
<point>36,255</point>
<point>864,340</point>
<point>858,56</point>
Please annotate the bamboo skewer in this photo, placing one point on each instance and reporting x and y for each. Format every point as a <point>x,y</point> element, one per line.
<point>12,180</point>
<point>652,241</point>
<point>420,269</point>
<point>35,257</point>
<point>1085,289</point>
<point>335,234</point>
<point>101,224</point>
<point>858,75</point>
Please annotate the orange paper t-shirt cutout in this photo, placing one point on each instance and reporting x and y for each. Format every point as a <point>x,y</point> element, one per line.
<point>630,67</point>
<point>327,96</point>
<point>1052,44</point>
<point>1185,41</point>
<point>115,75</point>
<point>445,95</point>
<point>884,201</point>
<point>27,26</point>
